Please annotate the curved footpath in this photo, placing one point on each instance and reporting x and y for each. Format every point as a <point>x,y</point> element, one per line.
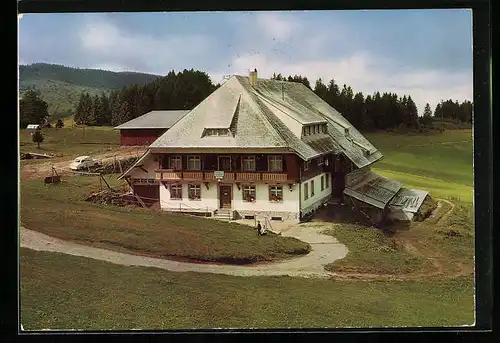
<point>325,249</point>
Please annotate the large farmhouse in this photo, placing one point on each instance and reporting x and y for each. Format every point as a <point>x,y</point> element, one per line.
<point>144,130</point>
<point>258,147</point>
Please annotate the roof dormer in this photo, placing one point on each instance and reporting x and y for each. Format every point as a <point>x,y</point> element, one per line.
<point>314,129</point>
<point>216,132</point>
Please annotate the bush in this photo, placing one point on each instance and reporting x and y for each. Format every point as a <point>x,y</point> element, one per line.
<point>428,206</point>
<point>59,123</point>
<point>37,137</point>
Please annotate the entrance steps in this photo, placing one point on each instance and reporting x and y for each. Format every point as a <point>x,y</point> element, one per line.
<point>223,214</point>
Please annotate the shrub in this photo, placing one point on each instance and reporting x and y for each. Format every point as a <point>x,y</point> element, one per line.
<point>37,137</point>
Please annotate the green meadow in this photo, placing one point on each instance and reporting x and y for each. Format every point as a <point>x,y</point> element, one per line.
<point>441,163</point>
<point>67,292</point>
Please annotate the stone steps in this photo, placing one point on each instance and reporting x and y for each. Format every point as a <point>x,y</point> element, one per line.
<point>223,214</point>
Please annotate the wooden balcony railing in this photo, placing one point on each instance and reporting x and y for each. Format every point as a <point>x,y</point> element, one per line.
<point>170,175</point>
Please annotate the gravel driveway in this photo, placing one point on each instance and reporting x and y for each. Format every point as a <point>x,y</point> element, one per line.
<point>325,249</point>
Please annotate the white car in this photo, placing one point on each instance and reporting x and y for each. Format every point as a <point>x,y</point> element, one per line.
<point>83,162</point>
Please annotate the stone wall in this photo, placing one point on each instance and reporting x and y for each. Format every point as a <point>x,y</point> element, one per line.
<point>261,214</point>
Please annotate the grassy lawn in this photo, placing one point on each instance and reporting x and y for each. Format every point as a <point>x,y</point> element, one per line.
<point>370,251</point>
<point>66,292</point>
<point>63,292</point>
<point>58,210</point>
<point>440,163</point>
<point>70,142</point>
<point>450,240</point>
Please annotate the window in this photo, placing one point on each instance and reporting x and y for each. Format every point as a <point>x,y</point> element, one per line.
<point>175,163</point>
<point>216,132</point>
<point>176,192</point>
<point>194,163</point>
<point>275,163</point>
<point>308,130</point>
<point>276,193</point>
<point>306,191</point>
<point>225,163</point>
<point>322,183</point>
<point>194,192</point>
<point>312,188</point>
<point>249,163</point>
<point>313,129</point>
<point>327,177</point>
<point>321,160</point>
<point>249,193</point>
<point>306,165</point>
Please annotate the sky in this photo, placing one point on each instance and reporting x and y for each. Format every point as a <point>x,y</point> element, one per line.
<point>426,54</point>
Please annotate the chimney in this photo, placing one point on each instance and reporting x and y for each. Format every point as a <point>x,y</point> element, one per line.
<point>253,78</point>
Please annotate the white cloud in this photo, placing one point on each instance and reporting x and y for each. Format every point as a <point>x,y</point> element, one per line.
<point>139,52</point>
<point>276,25</point>
<point>362,72</point>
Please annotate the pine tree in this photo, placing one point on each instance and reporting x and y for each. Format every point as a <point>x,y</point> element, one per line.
<point>97,112</point>
<point>427,110</point>
<point>320,89</point>
<point>412,113</point>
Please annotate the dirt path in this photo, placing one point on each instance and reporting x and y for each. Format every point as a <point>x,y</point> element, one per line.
<point>325,249</point>
<point>42,169</point>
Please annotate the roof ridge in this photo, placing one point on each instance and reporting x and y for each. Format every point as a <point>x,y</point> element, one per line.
<point>260,112</point>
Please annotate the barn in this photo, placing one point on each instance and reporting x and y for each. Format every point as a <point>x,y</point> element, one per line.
<point>144,130</point>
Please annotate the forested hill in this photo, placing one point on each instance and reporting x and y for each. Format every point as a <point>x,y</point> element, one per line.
<point>61,86</point>
<point>93,78</point>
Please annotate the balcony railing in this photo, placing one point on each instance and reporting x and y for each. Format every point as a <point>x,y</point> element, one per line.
<point>170,175</point>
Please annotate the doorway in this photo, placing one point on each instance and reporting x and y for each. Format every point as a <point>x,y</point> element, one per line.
<point>225,196</point>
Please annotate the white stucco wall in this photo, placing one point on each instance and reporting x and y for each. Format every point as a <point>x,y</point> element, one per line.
<point>150,165</point>
<point>319,195</point>
<point>262,203</point>
<point>208,199</point>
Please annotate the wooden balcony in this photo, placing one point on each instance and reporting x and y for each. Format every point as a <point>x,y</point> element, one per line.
<point>169,175</point>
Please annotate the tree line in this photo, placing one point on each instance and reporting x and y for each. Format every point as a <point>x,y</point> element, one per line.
<point>186,89</point>
<point>175,91</point>
<point>382,111</point>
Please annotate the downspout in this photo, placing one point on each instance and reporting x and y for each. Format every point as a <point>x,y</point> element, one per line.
<point>300,193</point>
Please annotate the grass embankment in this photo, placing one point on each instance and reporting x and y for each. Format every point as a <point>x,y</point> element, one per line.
<point>440,163</point>
<point>70,142</point>
<point>58,210</point>
<point>443,244</point>
<point>67,292</point>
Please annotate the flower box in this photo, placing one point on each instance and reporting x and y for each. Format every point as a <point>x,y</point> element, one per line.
<point>276,198</point>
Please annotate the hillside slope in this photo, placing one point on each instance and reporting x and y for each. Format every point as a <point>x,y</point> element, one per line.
<point>62,86</point>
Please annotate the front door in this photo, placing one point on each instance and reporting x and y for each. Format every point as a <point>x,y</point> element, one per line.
<point>225,196</point>
<point>338,184</point>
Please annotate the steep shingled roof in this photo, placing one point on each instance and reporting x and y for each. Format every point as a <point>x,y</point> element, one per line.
<point>371,188</point>
<point>263,119</point>
<point>164,119</point>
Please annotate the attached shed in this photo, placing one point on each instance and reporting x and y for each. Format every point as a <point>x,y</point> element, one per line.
<point>406,203</point>
<point>144,130</point>
<point>370,192</point>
